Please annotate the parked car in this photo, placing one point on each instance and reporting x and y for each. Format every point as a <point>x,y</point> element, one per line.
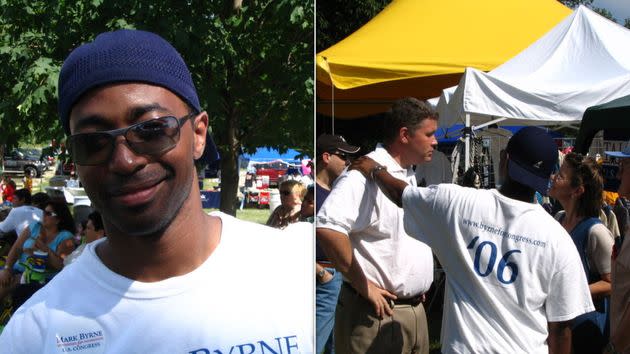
<point>274,170</point>
<point>16,162</point>
<point>35,154</point>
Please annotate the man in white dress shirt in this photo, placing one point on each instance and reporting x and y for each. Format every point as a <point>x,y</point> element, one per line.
<point>386,272</point>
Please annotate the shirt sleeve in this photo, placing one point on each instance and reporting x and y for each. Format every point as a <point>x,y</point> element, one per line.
<point>419,205</point>
<point>569,295</point>
<point>9,222</point>
<point>599,249</point>
<point>348,206</point>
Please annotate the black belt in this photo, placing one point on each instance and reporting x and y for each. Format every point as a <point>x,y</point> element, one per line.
<point>411,301</point>
<point>325,264</point>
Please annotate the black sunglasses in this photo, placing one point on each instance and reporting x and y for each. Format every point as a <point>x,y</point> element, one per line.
<point>151,137</point>
<point>339,154</point>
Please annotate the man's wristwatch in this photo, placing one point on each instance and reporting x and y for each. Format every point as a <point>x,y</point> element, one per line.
<point>376,169</point>
<point>321,273</point>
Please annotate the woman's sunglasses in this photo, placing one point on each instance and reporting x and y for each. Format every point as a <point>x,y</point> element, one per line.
<point>152,137</point>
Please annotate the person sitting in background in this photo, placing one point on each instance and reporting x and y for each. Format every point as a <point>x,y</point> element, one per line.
<point>22,214</point>
<point>307,210</point>
<point>93,231</point>
<point>50,236</point>
<point>578,187</point>
<point>8,189</point>
<point>28,182</point>
<point>40,199</point>
<point>291,194</point>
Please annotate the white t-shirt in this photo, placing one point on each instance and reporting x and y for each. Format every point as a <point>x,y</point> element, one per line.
<point>510,268</point>
<point>388,256</point>
<point>252,295</point>
<point>20,217</point>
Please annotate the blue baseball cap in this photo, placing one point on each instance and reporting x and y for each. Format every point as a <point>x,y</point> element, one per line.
<point>127,56</point>
<point>532,158</point>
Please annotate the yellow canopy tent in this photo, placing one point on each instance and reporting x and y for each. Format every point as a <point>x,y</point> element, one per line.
<point>419,47</point>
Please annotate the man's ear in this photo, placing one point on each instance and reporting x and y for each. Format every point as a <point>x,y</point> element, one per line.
<point>200,131</point>
<point>403,135</point>
<point>326,157</point>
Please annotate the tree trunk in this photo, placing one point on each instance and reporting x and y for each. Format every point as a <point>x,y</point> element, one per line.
<point>230,168</point>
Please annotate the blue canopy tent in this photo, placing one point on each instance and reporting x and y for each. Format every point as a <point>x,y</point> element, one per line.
<point>453,133</point>
<point>266,154</point>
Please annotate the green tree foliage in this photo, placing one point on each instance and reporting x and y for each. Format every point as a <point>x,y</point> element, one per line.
<point>588,3</point>
<point>252,63</point>
<point>336,19</point>
<point>575,3</point>
<point>626,23</point>
<point>605,13</point>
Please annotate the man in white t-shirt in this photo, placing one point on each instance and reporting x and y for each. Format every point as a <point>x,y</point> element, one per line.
<point>22,214</point>
<point>168,278</point>
<point>511,284</point>
<point>386,272</point>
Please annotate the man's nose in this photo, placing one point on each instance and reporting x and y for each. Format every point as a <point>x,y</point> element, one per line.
<point>124,160</point>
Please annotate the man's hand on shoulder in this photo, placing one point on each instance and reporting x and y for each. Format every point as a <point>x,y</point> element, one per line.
<point>365,165</point>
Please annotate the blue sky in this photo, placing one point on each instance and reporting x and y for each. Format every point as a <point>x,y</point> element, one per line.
<point>619,8</point>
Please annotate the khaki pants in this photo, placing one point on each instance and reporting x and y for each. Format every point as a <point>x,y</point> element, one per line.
<point>359,331</point>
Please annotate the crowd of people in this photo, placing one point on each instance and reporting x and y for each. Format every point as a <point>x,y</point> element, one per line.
<point>168,277</point>
<point>42,237</point>
<point>520,277</point>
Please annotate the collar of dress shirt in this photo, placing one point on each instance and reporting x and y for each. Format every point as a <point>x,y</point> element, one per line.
<point>383,157</point>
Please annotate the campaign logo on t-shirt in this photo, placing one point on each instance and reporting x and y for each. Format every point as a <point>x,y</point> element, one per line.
<point>81,342</point>
<point>285,345</point>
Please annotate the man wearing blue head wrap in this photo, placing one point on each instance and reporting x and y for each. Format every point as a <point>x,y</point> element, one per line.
<point>168,278</point>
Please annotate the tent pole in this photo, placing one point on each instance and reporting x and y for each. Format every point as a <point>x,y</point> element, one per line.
<point>332,90</point>
<point>467,143</point>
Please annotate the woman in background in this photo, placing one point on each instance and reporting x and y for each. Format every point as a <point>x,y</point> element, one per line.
<point>93,231</point>
<point>42,245</point>
<point>578,187</point>
<point>291,194</point>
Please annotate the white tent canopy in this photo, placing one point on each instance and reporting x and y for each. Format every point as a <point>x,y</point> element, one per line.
<point>582,62</point>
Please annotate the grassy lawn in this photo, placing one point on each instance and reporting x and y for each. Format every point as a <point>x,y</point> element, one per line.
<point>250,214</point>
